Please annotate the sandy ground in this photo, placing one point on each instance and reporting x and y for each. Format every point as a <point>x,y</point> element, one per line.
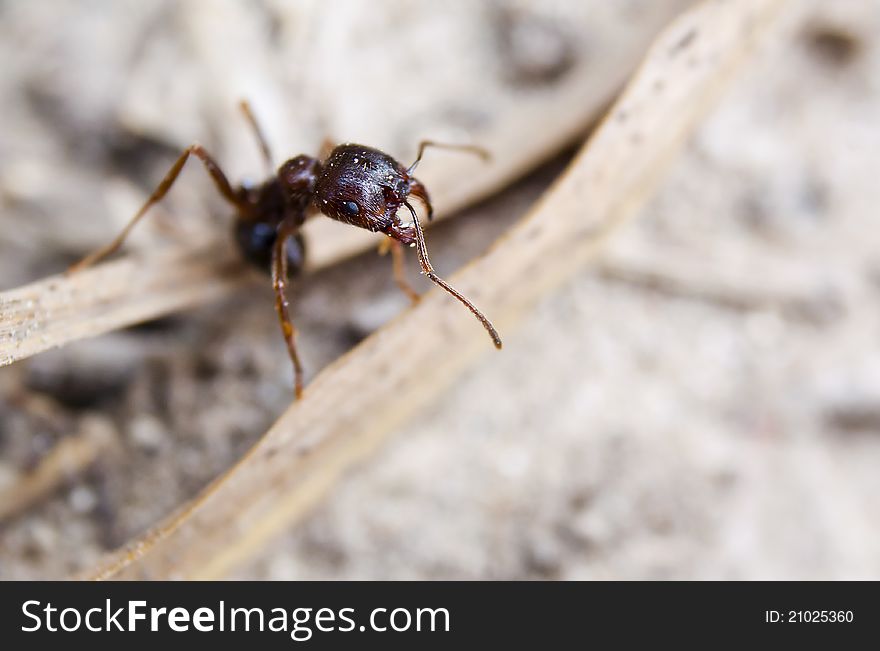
<point>704,404</point>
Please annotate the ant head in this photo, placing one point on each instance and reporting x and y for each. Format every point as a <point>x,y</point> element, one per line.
<point>365,187</point>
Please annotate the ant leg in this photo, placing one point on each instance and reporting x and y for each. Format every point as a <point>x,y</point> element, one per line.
<point>437,280</point>
<point>245,107</point>
<point>399,271</point>
<point>286,229</point>
<point>161,190</point>
<point>327,147</point>
<point>424,144</point>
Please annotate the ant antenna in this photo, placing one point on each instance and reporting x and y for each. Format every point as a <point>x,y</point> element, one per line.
<point>424,144</point>
<point>432,275</point>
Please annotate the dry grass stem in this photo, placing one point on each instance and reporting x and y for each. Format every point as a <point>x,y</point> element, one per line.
<point>69,458</point>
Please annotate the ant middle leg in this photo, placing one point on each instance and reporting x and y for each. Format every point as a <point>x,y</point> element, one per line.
<point>159,193</point>
<point>286,229</point>
<point>260,135</point>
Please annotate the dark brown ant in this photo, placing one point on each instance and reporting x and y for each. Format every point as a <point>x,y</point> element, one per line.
<point>357,185</point>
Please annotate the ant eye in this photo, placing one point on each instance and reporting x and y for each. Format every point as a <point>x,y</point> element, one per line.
<point>350,208</point>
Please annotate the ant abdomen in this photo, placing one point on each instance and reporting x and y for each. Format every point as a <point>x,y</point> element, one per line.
<point>255,240</point>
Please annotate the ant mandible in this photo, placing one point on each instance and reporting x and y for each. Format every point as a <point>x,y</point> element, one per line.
<point>356,185</point>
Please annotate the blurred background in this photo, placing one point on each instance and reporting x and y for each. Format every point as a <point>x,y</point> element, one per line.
<point>705,403</point>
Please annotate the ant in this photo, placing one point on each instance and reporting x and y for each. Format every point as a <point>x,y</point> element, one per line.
<point>355,184</point>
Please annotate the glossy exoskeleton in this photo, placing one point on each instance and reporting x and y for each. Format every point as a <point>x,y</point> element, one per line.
<point>356,185</point>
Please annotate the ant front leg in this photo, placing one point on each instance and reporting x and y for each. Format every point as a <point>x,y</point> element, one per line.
<point>399,270</point>
<point>326,148</point>
<point>286,229</point>
<point>159,193</point>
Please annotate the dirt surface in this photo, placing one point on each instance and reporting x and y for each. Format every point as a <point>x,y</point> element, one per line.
<point>705,404</point>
